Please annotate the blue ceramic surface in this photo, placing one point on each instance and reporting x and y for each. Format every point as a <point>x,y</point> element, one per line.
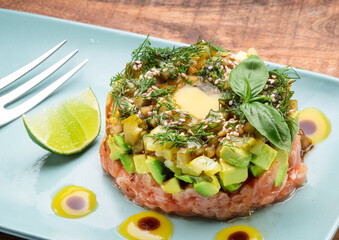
<point>30,176</point>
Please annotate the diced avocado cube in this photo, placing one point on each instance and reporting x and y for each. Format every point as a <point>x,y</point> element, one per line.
<point>115,149</point>
<point>140,163</point>
<point>232,187</point>
<point>204,164</point>
<point>282,158</point>
<point>156,168</point>
<point>185,178</point>
<point>119,140</point>
<point>256,170</point>
<point>207,188</point>
<point>256,146</point>
<point>230,174</point>
<point>127,162</point>
<point>248,143</point>
<point>171,166</point>
<point>171,186</point>
<point>131,129</point>
<point>265,157</point>
<point>235,156</point>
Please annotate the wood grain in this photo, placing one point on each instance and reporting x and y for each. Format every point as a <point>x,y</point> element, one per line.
<point>301,33</point>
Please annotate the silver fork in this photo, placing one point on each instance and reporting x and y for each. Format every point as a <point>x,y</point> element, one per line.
<point>7,115</point>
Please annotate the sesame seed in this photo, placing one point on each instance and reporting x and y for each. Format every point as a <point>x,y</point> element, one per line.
<point>182,120</point>
<point>274,76</point>
<point>204,127</point>
<point>210,67</point>
<point>236,134</point>
<point>155,87</point>
<point>230,102</point>
<point>218,121</point>
<point>135,67</point>
<point>228,137</point>
<point>165,70</point>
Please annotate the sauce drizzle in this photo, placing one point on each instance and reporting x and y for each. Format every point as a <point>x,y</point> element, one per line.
<point>239,235</point>
<point>148,223</point>
<point>308,126</point>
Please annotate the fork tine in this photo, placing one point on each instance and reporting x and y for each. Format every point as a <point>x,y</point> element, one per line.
<point>9,97</point>
<point>25,69</point>
<point>36,99</point>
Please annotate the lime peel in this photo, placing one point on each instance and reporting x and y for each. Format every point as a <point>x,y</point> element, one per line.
<point>66,128</point>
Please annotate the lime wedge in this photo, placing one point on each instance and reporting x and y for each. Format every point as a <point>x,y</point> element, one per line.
<point>68,127</point>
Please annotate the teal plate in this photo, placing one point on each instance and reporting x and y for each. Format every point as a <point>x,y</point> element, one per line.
<point>30,176</point>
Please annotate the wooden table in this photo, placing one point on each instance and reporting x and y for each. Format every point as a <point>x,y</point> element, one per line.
<point>303,34</point>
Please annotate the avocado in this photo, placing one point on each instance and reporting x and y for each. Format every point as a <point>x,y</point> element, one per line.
<point>140,163</point>
<point>256,170</point>
<point>265,157</point>
<point>156,168</point>
<point>115,149</point>
<point>171,186</point>
<point>119,140</point>
<point>282,158</point>
<point>256,146</point>
<point>248,143</point>
<point>204,164</point>
<point>230,174</point>
<point>207,188</point>
<point>232,187</point>
<point>185,178</point>
<point>127,162</point>
<point>235,156</point>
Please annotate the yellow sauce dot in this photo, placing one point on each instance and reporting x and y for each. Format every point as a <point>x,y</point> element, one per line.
<point>315,124</point>
<point>239,232</point>
<point>146,225</point>
<point>74,202</point>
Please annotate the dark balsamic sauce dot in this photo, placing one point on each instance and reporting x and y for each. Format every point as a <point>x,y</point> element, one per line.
<point>308,126</point>
<point>148,223</point>
<point>239,235</point>
<point>75,202</point>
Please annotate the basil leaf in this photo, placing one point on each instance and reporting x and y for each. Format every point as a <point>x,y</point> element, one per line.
<point>254,70</point>
<point>268,121</point>
<point>293,124</point>
<point>247,96</point>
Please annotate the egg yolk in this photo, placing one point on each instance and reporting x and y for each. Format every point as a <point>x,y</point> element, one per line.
<point>238,232</point>
<point>196,101</point>
<point>315,124</point>
<point>74,202</point>
<point>146,225</point>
